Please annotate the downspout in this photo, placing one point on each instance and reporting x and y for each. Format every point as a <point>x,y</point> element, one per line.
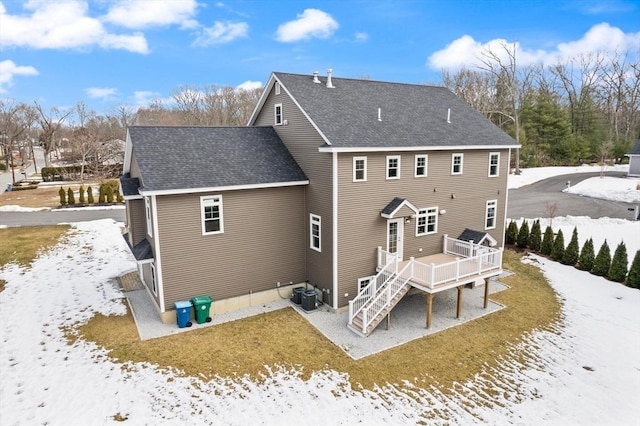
<point>156,240</point>
<point>334,225</point>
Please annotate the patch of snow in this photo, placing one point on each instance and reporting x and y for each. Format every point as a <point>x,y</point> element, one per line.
<point>14,208</point>
<point>608,188</point>
<point>535,174</point>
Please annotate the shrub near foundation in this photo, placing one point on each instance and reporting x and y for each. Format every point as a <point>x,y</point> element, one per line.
<point>245,347</point>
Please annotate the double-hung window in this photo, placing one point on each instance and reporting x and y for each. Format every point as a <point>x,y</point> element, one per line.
<point>393,167</point>
<point>456,164</point>
<point>427,221</point>
<point>494,164</point>
<point>315,229</point>
<point>421,165</point>
<point>359,169</point>
<point>277,112</point>
<point>490,218</point>
<point>212,220</point>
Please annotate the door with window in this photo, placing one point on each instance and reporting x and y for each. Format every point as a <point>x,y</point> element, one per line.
<point>395,231</point>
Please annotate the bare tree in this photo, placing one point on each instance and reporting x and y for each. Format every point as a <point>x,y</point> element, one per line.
<point>550,210</point>
<point>511,84</point>
<point>49,123</point>
<point>16,118</point>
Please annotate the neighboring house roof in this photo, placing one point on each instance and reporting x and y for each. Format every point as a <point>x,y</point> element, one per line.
<point>635,150</point>
<point>477,237</point>
<point>410,115</point>
<point>178,158</point>
<point>129,185</point>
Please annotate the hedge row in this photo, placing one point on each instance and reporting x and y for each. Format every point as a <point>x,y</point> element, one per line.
<point>54,174</point>
<point>553,246</point>
<point>108,193</point>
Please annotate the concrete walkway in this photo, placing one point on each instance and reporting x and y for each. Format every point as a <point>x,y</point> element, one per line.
<point>407,318</point>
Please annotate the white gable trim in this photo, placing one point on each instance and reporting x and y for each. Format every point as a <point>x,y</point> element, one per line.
<point>413,148</point>
<point>405,203</point>
<point>128,154</point>
<point>273,79</point>
<point>222,188</point>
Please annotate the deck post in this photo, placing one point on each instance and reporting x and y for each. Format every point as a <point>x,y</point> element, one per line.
<point>486,293</point>
<point>388,320</point>
<point>459,304</point>
<point>429,307</point>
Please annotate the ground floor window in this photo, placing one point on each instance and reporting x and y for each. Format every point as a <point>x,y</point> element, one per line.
<point>153,279</point>
<point>315,224</point>
<point>490,222</point>
<point>427,221</point>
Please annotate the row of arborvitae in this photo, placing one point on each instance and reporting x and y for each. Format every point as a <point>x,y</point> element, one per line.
<point>107,194</point>
<point>553,246</point>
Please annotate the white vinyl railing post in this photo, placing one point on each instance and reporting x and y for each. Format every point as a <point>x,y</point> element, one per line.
<point>457,268</point>
<point>445,241</point>
<point>433,275</point>
<point>350,311</point>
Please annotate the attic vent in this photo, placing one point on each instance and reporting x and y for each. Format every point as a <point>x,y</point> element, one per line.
<point>448,115</point>
<point>315,77</point>
<point>329,83</point>
<point>379,114</point>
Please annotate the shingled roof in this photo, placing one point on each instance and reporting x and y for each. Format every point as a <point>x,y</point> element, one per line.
<point>178,158</point>
<point>635,150</point>
<point>410,115</point>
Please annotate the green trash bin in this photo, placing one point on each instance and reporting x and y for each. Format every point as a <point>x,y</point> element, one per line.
<point>201,306</point>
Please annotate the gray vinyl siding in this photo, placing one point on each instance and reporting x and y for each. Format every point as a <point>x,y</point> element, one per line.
<point>303,141</point>
<point>262,243</point>
<point>361,229</point>
<point>136,221</point>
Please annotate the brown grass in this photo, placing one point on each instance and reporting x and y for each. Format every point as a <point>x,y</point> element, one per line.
<point>43,196</point>
<point>284,338</point>
<point>22,245</point>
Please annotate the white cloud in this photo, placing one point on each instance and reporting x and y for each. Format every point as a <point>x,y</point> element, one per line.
<point>310,23</point>
<point>249,85</point>
<point>361,37</point>
<point>137,14</point>
<point>100,92</point>
<point>60,25</point>
<point>221,32</point>
<point>465,51</point>
<point>9,69</point>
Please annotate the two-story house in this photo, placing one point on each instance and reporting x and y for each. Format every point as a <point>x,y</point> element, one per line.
<point>341,184</point>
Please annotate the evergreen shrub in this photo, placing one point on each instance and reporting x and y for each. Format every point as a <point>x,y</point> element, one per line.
<point>523,235</point>
<point>602,262</point>
<point>572,252</point>
<point>557,252</point>
<point>547,242</point>
<point>587,256</point>
<point>619,264</point>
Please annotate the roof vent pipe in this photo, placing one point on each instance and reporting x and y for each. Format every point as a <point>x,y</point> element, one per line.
<point>315,77</point>
<point>379,114</point>
<point>448,115</point>
<point>329,84</point>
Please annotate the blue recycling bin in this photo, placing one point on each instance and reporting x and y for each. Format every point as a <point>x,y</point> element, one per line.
<point>183,313</point>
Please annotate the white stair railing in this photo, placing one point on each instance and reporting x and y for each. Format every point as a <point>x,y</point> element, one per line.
<point>378,281</point>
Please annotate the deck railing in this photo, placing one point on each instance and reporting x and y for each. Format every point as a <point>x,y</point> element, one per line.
<point>471,259</point>
<point>431,275</point>
<point>388,269</point>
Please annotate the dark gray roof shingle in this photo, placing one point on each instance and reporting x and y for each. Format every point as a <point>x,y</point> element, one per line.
<point>392,206</point>
<point>172,158</point>
<point>129,185</point>
<point>411,115</point>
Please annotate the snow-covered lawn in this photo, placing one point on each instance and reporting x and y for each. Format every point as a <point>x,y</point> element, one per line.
<point>584,371</point>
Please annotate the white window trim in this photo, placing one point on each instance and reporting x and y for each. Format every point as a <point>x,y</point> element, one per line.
<point>363,279</point>
<point>154,281</point>
<point>453,156</point>
<point>148,216</point>
<point>203,199</point>
<point>426,165</point>
<point>314,219</point>
<point>494,204</point>
<point>392,157</point>
<point>426,213</point>
<point>365,169</point>
<point>277,88</point>
<point>491,154</point>
<point>275,115</point>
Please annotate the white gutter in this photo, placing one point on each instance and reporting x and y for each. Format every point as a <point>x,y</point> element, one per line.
<point>330,149</point>
<point>221,188</point>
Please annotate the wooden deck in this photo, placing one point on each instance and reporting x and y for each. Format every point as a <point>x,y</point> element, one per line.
<point>467,272</point>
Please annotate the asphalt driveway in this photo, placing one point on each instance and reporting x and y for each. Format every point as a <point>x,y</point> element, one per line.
<point>531,201</point>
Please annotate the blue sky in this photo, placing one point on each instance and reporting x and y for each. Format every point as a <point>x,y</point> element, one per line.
<point>107,53</point>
